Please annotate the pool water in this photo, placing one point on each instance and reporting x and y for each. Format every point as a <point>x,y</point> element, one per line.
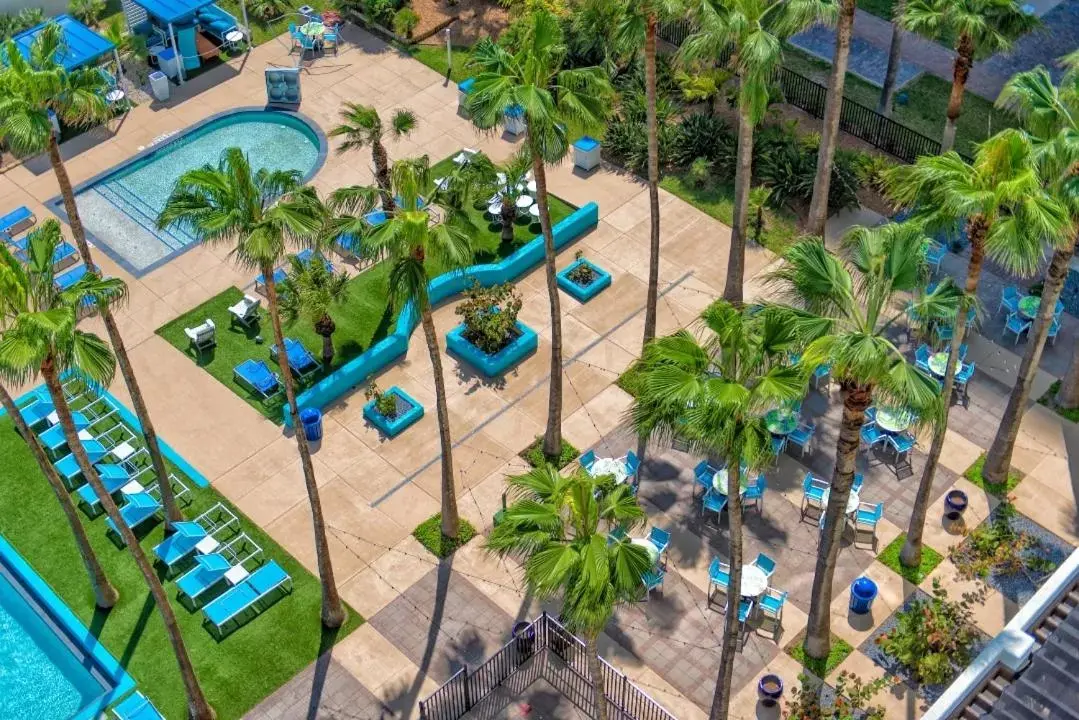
<point>120,209</point>
<point>40,676</point>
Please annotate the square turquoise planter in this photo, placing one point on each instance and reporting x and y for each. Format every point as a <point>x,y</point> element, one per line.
<point>394,427</point>
<point>583,293</point>
<point>493,365</point>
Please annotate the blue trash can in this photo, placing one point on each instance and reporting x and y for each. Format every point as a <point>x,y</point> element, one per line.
<point>312,423</point>
<point>862,593</point>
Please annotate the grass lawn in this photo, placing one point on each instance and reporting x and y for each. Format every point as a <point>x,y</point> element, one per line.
<point>1048,401</point>
<point>780,228</point>
<point>434,57</point>
<point>974,474</point>
<point>235,673</point>
<point>840,649</point>
<point>365,318</point>
<point>261,30</point>
<point>889,556</point>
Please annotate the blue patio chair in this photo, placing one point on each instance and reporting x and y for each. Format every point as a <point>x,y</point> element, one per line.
<point>770,607</point>
<point>1058,309</point>
<point>814,492</point>
<point>17,220</point>
<point>745,610</point>
<point>870,415</point>
<point>113,477</point>
<point>866,518</point>
<point>934,255</point>
<point>329,37</point>
<point>871,435</point>
<point>136,707</point>
<point>921,357</point>
<point>765,563</point>
<point>633,464</point>
<point>1009,299</point>
<point>944,333</point>
<point>1054,330</point>
<point>300,359</point>
<point>618,534</point>
<point>239,599</point>
<point>963,350</point>
<point>755,493</point>
<point>587,460</point>
<point>719,576</point>
<point>962,378</point>
<point>779,442</point>
<point>139,508</point>
<point>902,444</point>
<point>209,570</point>
<point>257,376</point>
<point>307,42</point>
<point>660,538</point>
<point>859,480</point>
<point>713,502</point>
<point>821,372</point>
<point>653,580</point>
<point>181,544</point>
<point>703,475</point>
<point>972,317</point>
<point>801,437</point>
<point>1015,324</point>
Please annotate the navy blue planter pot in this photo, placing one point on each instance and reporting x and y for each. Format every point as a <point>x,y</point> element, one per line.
<point>583,293</point>
<point>395,426</point>
<point>492,365</point>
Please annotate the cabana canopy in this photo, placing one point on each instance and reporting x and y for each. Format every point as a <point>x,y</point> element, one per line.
<point>82,45</point>
<point>171,11</point>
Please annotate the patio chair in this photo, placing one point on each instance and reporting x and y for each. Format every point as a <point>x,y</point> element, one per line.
<point>139,509</point>
<point>1009,300</point>
<point>963,350</point>
<point>871,435</point>
<point>866,518</point>
<point>307,43</point>
<point>653,580</point>
<point>779,442</point>
<point>208,572</point>
<point>972,317</point>
<point>1015,324</point>
<point>202,337</point>
<point>618,534</point>
<point>966,372</point>
<point>661,539</point>
<point>719,576</point>
<point>765,563</point>
<point>934,255</point>
<point>257,376</point>
<point>245,311</point>
<point>921,357</point>
<point>745,610</point>
<point>633,464</point>
<point>944,333</point>
<point>1058,309</point>
<point>713,502</point>
<point>113,478</point>
<point>1054,330</point>
<point>870,415</point>
<point>770,607</point>
<point>136,707</point>
<point>801,437</point>
<point>178,546</point>
<point>587,460</point>
<point>755,493</point>
<point>703,475</point>
<point>859,480</point>
<point>242,597</point>
<point>821,372</point>
<point>902,444</point>
<point>300,359</point>
<point>814,492</point>
<point>329,38</point>
<point>17,221</point>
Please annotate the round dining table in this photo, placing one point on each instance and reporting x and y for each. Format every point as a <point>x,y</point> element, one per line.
<point>1028,306</point>
<point>609,466</point>
<point>754,582</point>
<point>853,500</point>
<point>649,547</point>
<point>719,482</point>
<point>781,421</point>
<point>894,421</point>
<point>524,202</point>
<point>938,362</point>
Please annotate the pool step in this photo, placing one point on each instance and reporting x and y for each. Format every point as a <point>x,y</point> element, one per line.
<point>126,201</point>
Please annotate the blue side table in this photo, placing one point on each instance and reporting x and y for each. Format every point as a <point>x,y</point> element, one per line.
<point>586,153</point>
<point>464,88</point>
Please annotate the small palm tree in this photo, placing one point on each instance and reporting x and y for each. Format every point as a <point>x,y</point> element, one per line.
<point>856,301</point>
<point>412,245</point>
<point>1008,217</point>
<point>29,90</point>
<point>131,47</point>
<point>259,214</point>
<point>711,393</point>
<point>981,28</point>
<point>481,178</point>
<point>755,29</point>
<point>362,127</point>
<point>42,338</point>
<point>560,527</point>
<point>310,291</point>
<point>530,76</point>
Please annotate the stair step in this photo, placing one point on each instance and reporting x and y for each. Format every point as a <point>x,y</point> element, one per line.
<point>1041,634</point>
<point>972,713</point>
<point>997,685</point>
<point>985,699</point>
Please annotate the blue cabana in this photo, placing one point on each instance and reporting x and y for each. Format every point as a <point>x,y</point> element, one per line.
<point>178,20</point>
<point>82,45</point>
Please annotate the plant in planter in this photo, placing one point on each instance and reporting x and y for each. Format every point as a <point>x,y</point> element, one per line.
<point>405,21</point>
<point>583,279</point>
<point>391,411</point>
<point>490,336</point>
<point>385,403</point>
<point>852,699</point>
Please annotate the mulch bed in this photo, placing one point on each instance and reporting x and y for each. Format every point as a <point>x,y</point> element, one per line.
<point>475,19</point>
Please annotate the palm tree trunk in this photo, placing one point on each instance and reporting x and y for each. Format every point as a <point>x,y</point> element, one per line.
<point>964,60</point>
<point>552,437</point>
<point>1068,394</point>
<point>721,698</point>
<point>895,56</point>
<point>382,176</point>
<point>138,403</point>
<point>326,327</point>
<point>197,706</point>
<point>595,669</point>
<point>856,398</point>
<point>743,179</point>
<point>333,612</point>
<point>999,459</point>
<point>833,107</point>
<point>509,214</point>
<point>652,301</point>
<point>911,553</point>
<point>105,595</point>
<point>451,521</point>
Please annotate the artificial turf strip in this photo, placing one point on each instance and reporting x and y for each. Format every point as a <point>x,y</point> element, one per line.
<point>236,672</point>
<point>1049,401</point>
<point>889,557</point>
<point>367,316</point>
<point>974,474</point>
<point>839,651</point>
<point>429,534</point>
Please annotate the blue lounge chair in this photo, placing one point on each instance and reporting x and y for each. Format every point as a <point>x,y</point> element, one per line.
<point>237,600</point>
<point>300,359</point>
<point>209,570</point>
<point>139,509</point>
<point>72,276</point>
<point>653,580</point>
<point>1015,324</point>
<point>38,412</point>
<point>181,544</point>
<point>306,256</point>
<point>68,468</point>
<point>17,220</point>
<point>137,707</point>
<point>255,375</point>
<point>279,276</point>
<point>53,438</point>
<point>113,477</point>
<point>587,460</point>
<point>63,255</point>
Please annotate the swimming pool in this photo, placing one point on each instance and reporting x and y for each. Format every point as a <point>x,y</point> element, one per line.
<point>51,667</point>
<point>120,207</point>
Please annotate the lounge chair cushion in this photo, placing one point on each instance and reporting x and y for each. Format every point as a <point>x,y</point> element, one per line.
<point>231,603</point>
<point>257,375</point>
<point>208,571</point>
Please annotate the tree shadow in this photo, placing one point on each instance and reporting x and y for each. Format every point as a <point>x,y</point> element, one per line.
<point>137,629</point>
<point>407,697</point>
<point>322,666</point>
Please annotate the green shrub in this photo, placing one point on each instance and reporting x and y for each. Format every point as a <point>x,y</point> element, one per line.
<point>851,699</point>
<point>268,9</point>
<point>974,474</point>
<point>534,456</point>
<point>703,135</point>
<point>869,168</point>
<point>405,21</point>
<point>380,11</point>
<point>838,651</point>
<point>429,534</point>
<point>490,316</point>
<point>88,12</point>
<point>699,173</point>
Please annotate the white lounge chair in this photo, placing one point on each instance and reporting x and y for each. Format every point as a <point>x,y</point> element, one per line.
<point>202,337</point>
<point>246,311</point>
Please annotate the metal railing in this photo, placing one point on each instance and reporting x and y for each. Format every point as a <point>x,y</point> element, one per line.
<point>543,650</point>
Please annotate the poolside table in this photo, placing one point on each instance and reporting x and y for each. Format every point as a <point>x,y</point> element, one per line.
<point>894,421</point>
<point>852,500</point>
<point>719,482</point>
<point>524,202</point>
<point>533,210</point>
<point>938,362</point>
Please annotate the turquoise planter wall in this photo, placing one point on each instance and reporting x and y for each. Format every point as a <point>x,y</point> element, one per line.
<point>493,365</point>
<point>385,351</point>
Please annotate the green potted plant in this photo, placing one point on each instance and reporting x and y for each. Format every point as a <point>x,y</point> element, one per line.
<point>583,279</point>
<point>392,410</point>
<point>490,337</point>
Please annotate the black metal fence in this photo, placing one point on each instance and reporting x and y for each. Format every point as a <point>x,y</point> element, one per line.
<point>544,650</point>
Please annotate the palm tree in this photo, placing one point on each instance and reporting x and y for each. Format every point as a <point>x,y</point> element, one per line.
<point>895,57</point>
<point>555,526</point>
<point>310,291</point>
<point>481,178</point>
<point>833,108</point>
<point>855,299</point>
<point>259,214</point>
<point>530,76</point>
<point>362,127</point>
<point>1008,215</point>
<point>712,394</point>
<point>131,48</point>
<point>753,31</point>
<point>43,337</point>
<point>29,90</point>
<point>1050,116</point>
<point>411,245</point>
<point>980,27</point>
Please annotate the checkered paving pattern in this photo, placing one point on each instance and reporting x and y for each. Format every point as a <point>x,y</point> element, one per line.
<point>325,690</point>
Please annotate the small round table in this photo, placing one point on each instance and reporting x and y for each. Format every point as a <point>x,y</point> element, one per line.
<point>533,210</point>
<point>532,187</point>
<point>781,421</point>
<point>938,363</point>
<point>610,466</point>
<point>754,582</point>
<point>719,482</point>
<point>651,549</point>
<point>495,209</point>
<point>853,500</point>
<point>313,29</point>
<point>1028,306</point>
<point>233,38</point>
<point>894,421</point>
<point>114,96</point>
<point>524,202</point>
